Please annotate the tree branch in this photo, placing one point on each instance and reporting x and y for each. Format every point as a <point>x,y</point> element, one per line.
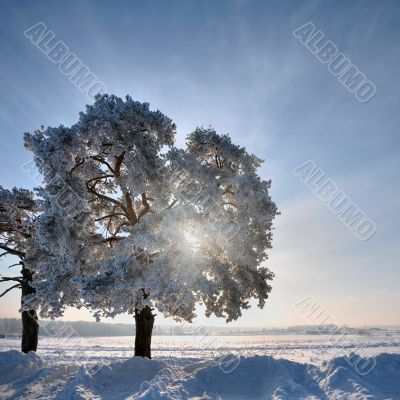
<point>13,278</point>
<point>110,215</point>
<point>78,163</point>
<point>113,239</point>
<point>103,161</point>
<point>228,190</point>
<point>106,198</point>
<point>217,162</point>
<point>119,228</point>
<point>99,178</point>
<point>131,215</point>
<point>10,288</point>
<point>12,251</point>
<point>118,162</point>
<point>10,266</point>
<point>146,206</point>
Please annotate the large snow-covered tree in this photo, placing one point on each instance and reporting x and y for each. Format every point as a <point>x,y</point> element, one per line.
<point>17,216</point>
<point>152,225</point>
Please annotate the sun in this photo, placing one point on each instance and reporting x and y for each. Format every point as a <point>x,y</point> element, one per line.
<point>192,239</point>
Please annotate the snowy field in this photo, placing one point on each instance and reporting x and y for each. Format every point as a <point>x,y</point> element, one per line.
<point>205,367</point>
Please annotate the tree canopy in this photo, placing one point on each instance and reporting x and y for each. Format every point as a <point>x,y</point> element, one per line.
<point>130,220</point>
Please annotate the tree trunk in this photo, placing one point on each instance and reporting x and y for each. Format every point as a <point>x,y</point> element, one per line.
<point>30,326</point>
<point>144,327</point>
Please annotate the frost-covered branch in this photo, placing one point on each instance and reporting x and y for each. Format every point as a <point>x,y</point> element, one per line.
<point>101,196</point>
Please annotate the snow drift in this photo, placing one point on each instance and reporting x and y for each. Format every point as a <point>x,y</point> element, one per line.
<point>259,377</point>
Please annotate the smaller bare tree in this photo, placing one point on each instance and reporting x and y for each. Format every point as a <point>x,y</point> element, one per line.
<point>17,214</point>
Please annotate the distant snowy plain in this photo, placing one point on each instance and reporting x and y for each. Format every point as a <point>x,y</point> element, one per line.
<point>205,367</point>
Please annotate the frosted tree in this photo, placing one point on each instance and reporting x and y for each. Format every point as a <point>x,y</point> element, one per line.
<point>161,227</point>
<point>17,215</point>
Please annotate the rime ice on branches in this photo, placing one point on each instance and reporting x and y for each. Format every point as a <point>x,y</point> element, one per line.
<point>136,224</point>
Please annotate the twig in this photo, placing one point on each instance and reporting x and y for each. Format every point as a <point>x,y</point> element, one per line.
<point>10,288</point>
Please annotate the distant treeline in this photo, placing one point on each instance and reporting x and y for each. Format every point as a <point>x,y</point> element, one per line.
<point>12,327</point>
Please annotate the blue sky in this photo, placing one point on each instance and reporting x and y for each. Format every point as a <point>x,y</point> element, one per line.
<point>235,65</point>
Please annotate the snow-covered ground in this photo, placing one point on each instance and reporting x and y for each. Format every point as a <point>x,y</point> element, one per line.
<point>205,367</point>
